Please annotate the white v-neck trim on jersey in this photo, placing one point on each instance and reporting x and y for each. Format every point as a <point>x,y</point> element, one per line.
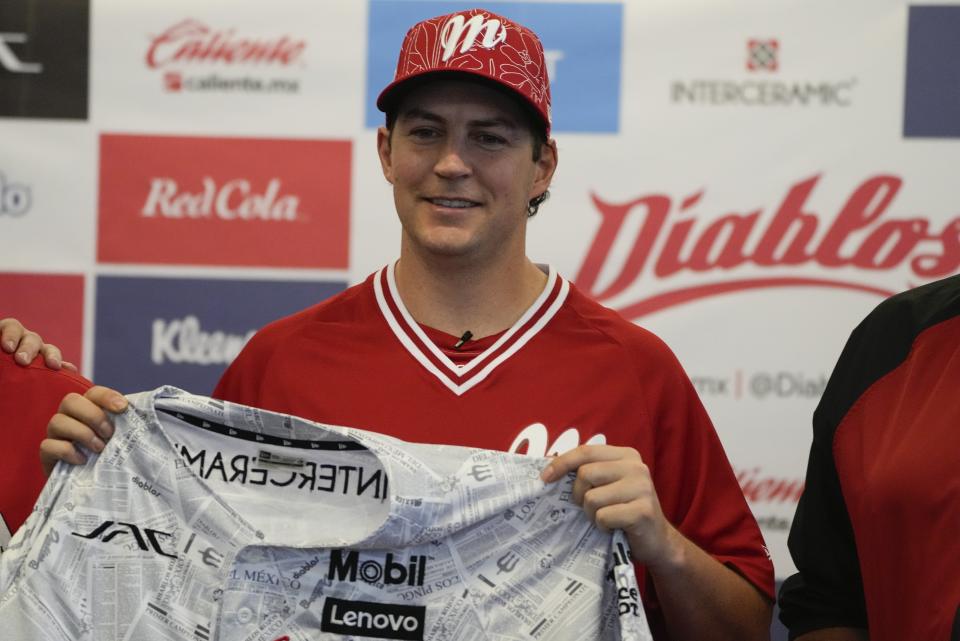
<point>461,378</point>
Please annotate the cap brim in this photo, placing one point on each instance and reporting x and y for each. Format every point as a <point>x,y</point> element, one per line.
<point>392,93</point>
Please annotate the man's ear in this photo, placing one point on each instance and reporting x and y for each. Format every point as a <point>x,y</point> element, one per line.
<point>383,150</point>
<point>546,167</point>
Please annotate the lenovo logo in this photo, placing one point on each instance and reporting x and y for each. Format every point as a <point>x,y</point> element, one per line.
<point>147,539</point>
<point>458,31</point>
<point>10,61</point>
<point>368,619</point>
<point>349,567</point>
<point>234,200</point>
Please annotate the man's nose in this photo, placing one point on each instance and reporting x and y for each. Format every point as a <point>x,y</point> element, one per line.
<point>452,162</point>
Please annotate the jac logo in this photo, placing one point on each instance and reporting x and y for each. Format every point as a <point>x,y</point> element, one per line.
<point>368,619</point>
<point>234,200</point>
<point>460,31</point>
<point>10,61</point>
<point>183,341</point>
<point>15,199</point>
<point>191,41</point>
<point>147,540</point>
<point>670,241</point>
<point>348,568</point>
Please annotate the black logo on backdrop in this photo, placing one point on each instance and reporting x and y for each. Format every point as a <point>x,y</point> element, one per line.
<point>44,56</point>
<point>368,619</point>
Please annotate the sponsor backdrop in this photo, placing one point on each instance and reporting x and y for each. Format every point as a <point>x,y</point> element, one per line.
<point>745,179</point>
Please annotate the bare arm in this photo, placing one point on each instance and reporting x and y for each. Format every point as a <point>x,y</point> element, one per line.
<point>702,599</point>
<point>835,634</point>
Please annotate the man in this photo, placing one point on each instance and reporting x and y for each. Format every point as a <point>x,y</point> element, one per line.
<point>875,535</point>
<point>464,340</point>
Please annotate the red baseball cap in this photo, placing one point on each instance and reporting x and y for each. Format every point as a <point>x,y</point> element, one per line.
<point>480,43</point>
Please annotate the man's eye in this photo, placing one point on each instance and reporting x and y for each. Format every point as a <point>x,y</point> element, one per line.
<point>423,133</point>
<point>490,139</point>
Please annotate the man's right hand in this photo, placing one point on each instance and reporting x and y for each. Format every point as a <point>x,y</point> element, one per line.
<point>81,422</point>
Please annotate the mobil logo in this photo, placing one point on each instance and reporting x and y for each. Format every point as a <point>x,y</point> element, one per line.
<point>224,201</point>
<point>185,332</point>
<point>348,567</point>
<point>582,45</point>
<point>932,95</point>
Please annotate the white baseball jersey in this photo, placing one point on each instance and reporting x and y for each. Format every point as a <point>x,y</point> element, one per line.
<point>206,520</point>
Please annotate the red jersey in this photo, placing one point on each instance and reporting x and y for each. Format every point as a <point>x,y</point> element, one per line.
<point>29,396</point>
<point>569,371</point>
<point>875,535</point>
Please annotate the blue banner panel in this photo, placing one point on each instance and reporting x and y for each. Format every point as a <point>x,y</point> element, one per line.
<point>582,43</point>
<point>932,104</point>
<point>184,332</point>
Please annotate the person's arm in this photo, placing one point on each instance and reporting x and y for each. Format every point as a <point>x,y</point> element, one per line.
<point>25,345</point>
<point>701,598</point>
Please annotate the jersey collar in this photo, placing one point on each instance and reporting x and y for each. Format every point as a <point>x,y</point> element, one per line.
<point>460,379</point>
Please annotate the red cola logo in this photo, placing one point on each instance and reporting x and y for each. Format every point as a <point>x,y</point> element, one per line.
<point>191,41</point>
<point>235,199</point>
<point>857,237</point>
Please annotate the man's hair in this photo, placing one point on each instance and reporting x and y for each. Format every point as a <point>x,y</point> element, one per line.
<point>532,122</point>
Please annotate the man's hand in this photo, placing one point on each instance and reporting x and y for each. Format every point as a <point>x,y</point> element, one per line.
<point>701,598</point>
<point>25,345</point>
<point>616,491</point>
<point>82,421</point>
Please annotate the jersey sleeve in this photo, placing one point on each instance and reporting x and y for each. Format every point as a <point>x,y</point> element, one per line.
<point>827,590</point>
<point>696,485</point>
<point>29,396</point>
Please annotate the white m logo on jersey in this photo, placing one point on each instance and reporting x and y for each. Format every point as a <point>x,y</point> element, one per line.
<point>535,436</point>
<point>453,34</point>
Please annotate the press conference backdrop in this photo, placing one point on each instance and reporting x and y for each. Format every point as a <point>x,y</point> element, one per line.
<point>747,179</point>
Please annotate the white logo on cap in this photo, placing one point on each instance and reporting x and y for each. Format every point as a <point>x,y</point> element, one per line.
<point>450,36</point>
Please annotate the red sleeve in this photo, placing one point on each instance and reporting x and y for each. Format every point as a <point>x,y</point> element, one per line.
<point>695,483</point>
<point>29,396</point>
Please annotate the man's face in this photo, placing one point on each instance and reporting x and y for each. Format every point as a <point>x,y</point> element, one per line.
<point>460,159</point>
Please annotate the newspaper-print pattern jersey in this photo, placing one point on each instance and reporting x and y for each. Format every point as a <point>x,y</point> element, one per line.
<point>206,520</point>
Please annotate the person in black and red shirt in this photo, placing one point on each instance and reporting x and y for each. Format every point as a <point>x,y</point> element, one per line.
<point>876,537</point>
